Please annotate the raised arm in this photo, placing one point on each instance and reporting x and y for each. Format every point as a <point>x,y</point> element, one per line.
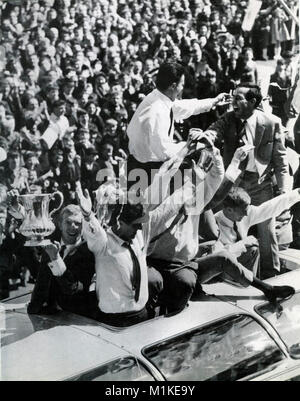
<point>93,232</point>
<point>158,191</point>
<point>188,107</point>
<point>273,207</point>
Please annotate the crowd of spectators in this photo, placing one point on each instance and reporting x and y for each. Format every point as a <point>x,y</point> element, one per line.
<point>74,71</point>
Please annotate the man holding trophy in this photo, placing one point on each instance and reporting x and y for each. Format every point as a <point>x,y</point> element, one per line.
<point>67,266</point>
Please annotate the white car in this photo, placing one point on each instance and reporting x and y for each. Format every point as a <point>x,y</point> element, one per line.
<point>232,334</point>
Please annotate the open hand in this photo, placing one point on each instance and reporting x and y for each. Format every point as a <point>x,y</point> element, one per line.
<point>84,201</point>
<point>223,99</point>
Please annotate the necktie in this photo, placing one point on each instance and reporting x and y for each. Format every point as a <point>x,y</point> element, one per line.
<point>241,132</point>
<point>171,121</point>
<point>136,279</point>
<point>62,251</point>
<point>238,235</point>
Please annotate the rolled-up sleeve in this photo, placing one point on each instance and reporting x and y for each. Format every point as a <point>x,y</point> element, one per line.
<point>188,107</point>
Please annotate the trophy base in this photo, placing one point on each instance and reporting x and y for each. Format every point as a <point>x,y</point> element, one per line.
<point>37,242</point>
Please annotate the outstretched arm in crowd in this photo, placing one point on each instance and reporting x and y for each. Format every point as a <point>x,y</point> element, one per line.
<point>158,191</point>
<point>272,208</point>
<point>192,194</point>
<point>231,175</point>
<point>93,232</point>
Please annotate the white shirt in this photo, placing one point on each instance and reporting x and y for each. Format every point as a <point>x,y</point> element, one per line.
<point>114,263</point>
<point>180,244</point>
<point>58,266</point>
<point>149,127</point>
<point>250,140</point>
<point>256,215</point>
<point>59,124</point>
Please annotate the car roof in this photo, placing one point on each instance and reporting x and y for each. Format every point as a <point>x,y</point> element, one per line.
<point>42,348</point>
<point>197,314</point>
<point>63,345</point>
<point>249,298</point>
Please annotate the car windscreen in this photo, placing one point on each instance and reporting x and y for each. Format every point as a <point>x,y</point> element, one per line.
<point>226,350</point>
<point>285,318</point>
<point>122,369</point>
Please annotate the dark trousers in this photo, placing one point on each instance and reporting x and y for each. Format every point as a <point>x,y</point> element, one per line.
<point>223,265</point>
<point>180,280</point>
<point>250,260</point>
<point>142,172</point>
<point>122,319</point>
<point>268,245</point>
<point>48,292</point>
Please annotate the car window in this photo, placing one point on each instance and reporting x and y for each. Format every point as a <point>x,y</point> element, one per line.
<point>285,318</point>
<point>227,350</point>
<point>122,369</point>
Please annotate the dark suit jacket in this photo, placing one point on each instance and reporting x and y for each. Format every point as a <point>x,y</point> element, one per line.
<point>71,290</point>
<point>270,152</point>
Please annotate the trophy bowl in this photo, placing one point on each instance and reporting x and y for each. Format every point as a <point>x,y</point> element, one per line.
<point>37,223</point>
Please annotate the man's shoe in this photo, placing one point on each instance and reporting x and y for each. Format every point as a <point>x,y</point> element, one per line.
<point>38,309</point>
<point>279,293</point>
<point>198,293</point>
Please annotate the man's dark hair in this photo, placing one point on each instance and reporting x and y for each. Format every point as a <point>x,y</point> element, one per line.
<point>237,197</point>
<point>127,213</point>
<point>169,73</point>
<point>58,103</point>
<point>254,92</point>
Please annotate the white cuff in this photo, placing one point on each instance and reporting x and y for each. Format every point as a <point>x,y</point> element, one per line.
<point>233,172</point>
<point>57,267</point>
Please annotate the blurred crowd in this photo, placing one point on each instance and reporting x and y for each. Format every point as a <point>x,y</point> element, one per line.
<point>72,73</point>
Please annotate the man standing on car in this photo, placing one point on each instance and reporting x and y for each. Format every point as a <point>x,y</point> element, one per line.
<point>246,124</point>
<point>151,129</point>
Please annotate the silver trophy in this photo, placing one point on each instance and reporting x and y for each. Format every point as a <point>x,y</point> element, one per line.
<point>37,223</point>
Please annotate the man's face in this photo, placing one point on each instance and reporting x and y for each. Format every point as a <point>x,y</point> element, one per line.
<point>128,231</point>
<point>30,163</point>
<point>53,94</point>
<point>84,119</point>
<point>111,128</point>
<point>91,109</point>
<point>179,88</point>
<point>243,108</point>
<point>106,152</point>
<point>58,159</point>
<point>203,30</point>
<point>13,162</point>
<point>237,213</point>
<point>60,111</point>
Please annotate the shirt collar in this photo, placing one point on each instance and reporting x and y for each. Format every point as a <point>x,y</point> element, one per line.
<point>119,240</point>
<point>252,119</point>
<point>164,98</point>
<point>80,240</point>
<point>54,118</point>
<point>225,221</point>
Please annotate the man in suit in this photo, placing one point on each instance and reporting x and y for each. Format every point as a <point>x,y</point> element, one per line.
<point>247,124</point>
<point>66,271</point>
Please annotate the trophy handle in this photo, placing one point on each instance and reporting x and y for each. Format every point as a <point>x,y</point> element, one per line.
<point>61,197</point>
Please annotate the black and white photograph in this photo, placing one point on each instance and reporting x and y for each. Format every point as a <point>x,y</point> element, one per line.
<point>149,193</point>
